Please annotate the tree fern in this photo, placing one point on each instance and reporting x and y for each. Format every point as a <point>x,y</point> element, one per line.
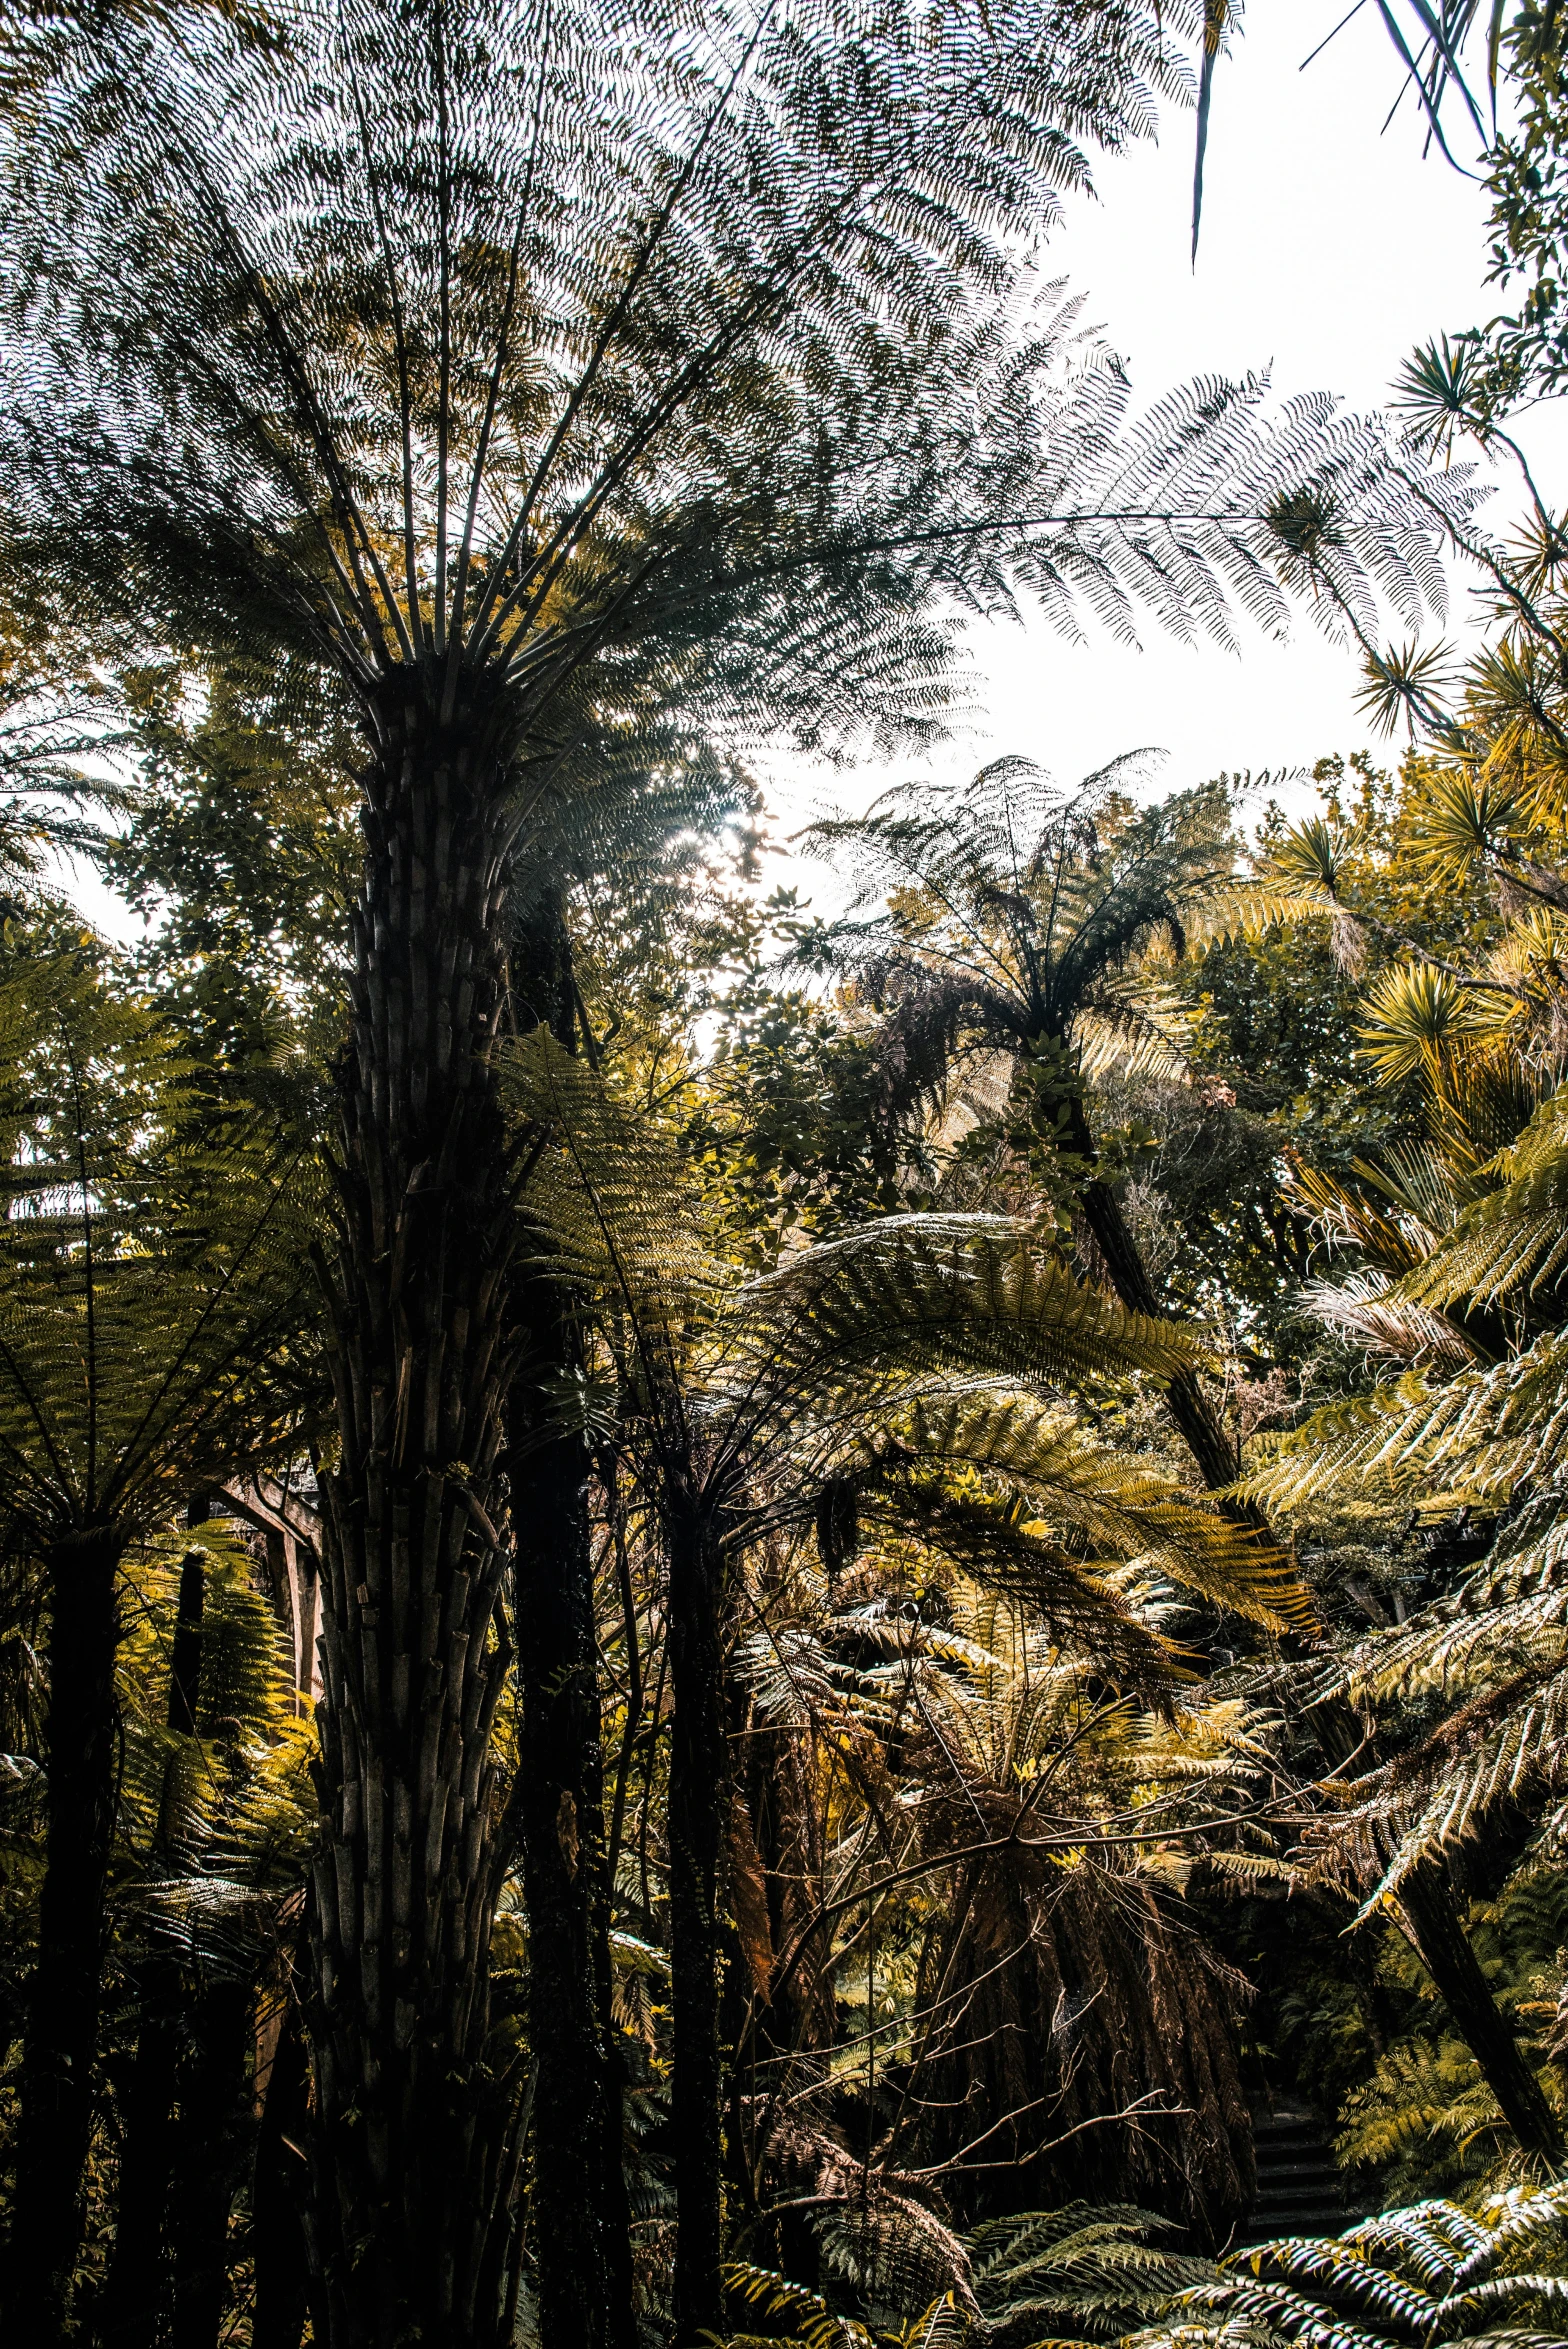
<point>1434,2272</point>
<point>150,1326</point>
<point>1019,920</point>
<point>535,375</point>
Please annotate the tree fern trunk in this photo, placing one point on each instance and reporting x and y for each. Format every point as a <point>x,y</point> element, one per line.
<point>277,2187</point>
<point>563,1860</point>
<point>1427,1899</point>
<point>404,1876</point>
<point>137,2283</point>
<point>1200,1423</point>
<point>577,2208</point>
<point>620,2327</point>
<point>697,1809</point>
<point>209,2158</point>
<point>139,2279</point>
<point>61,2037</point>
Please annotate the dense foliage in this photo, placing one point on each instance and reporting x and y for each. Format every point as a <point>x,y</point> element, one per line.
<point>721,1625</point>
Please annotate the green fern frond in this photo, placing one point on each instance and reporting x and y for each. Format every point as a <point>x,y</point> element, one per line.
<point>816,2325</point>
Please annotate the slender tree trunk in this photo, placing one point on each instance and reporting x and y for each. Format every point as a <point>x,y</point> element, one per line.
<point>699,1780</point>
<point>137,2285</point>
<point>138,2282</point>
<point>209,2158</point>
<point>61,2038</point>
<point>1427,1900</point>
<point>620,2327</point>
<point>405,1872</point>
<point>1200,1423</point>
<point>563,1862</point>
<point>277,2191</point>
<point>578,2213</point>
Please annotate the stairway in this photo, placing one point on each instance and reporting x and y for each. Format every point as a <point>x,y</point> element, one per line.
<point>1300,2190</point>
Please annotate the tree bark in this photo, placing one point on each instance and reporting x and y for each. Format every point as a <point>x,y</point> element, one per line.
<point>578,2215</point>
<point>405,1872</point>
<point>209,2158</point>
<point>1427,1901</point>
<point>61,2037</point>
<point>1202,1428</point>
<point>138,2282</point>
<point>699,1779</point>
<point>562,1831</point>
<point>277,2188</point>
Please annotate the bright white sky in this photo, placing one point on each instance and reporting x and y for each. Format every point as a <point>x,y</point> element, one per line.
<point>1329,249</point>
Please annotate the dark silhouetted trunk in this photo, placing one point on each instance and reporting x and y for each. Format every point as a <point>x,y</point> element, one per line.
<point>578,2216</point>
<point>698,1808</point>
<point>61,2037</point>
<point>137,2289</point>
<point>182,2159</point>
<point>185,1650</point>
<point>1431,1910</point>
<point>620,2326</point>
<point>210,2146</point>
<point>1199,1420</point>
<point>142,2286</point>
<point>407,2146</point>
<point>563,1861</point>
<point>278,2184</point>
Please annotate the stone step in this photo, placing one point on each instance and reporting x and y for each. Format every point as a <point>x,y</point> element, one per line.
<point>1331,2220</point>
<point>1299,2191</point>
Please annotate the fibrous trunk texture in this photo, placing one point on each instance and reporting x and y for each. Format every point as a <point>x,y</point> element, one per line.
<point>561,1822</point>
<point>698,1809</point>
<point>405,1873</point>
<point>61,2034</point>
<point>578,2217</point>
<point>1431,1910</point>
